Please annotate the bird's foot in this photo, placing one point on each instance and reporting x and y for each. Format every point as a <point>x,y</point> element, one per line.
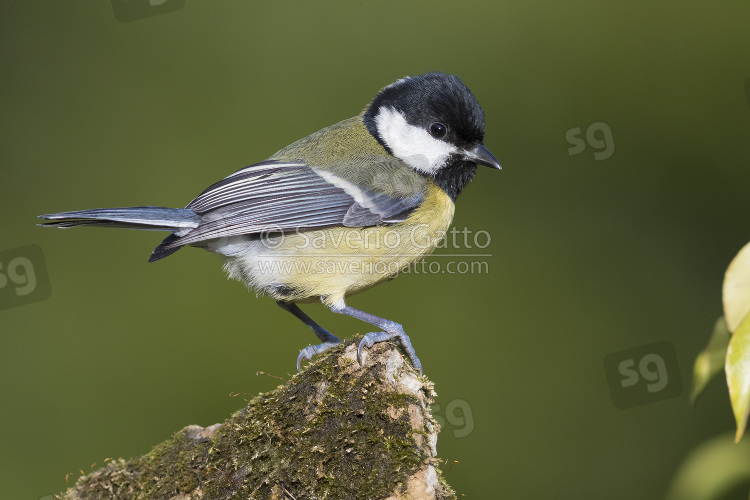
<point>373,338</point>
<point>311,350</point>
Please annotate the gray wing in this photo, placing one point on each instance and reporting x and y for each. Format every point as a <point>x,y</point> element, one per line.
<point>275,196</point>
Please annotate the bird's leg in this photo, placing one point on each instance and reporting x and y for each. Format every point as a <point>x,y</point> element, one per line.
<point>327,338</point>
<point>391,330</point>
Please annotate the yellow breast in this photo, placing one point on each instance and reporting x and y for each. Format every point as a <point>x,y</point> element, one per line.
<point>330,264</point>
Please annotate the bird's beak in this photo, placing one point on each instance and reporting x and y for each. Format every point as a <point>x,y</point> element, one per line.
<point>482,156</point>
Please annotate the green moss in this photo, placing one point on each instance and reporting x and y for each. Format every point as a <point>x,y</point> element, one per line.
<point>333,431</point>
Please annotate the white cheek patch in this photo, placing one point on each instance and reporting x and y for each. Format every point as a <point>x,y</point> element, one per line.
<point>412,145</point>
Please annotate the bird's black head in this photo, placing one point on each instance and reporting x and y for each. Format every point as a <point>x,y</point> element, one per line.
<point>434,124</point>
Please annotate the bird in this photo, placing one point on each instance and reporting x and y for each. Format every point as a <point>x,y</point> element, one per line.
<point>337,212</point>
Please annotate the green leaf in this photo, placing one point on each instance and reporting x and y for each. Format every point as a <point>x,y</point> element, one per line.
<point>711,470</point>
<point>711,360</point>
<point>738,374</point>
<point>736,289</point>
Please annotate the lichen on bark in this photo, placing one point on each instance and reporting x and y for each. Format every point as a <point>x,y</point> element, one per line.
<point>336,430</point>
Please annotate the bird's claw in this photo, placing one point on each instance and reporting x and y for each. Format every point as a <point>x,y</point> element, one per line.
<point>311,350</point>
<point>373,338</point>
<point>366,342</point>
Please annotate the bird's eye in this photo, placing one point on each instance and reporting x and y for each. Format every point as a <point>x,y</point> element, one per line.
<point>438,130</point>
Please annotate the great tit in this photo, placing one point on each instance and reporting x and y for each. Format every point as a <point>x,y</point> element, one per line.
<point>337,212</point>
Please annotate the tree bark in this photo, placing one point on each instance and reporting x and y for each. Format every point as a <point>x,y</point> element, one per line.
<point>336,430</point>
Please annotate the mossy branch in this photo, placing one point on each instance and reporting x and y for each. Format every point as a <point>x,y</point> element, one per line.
<point>336,430</point>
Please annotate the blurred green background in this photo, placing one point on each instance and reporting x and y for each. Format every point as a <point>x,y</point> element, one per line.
<point>589,257</point>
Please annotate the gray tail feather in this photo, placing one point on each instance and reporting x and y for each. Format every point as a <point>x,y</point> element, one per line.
<point>148,218</point>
